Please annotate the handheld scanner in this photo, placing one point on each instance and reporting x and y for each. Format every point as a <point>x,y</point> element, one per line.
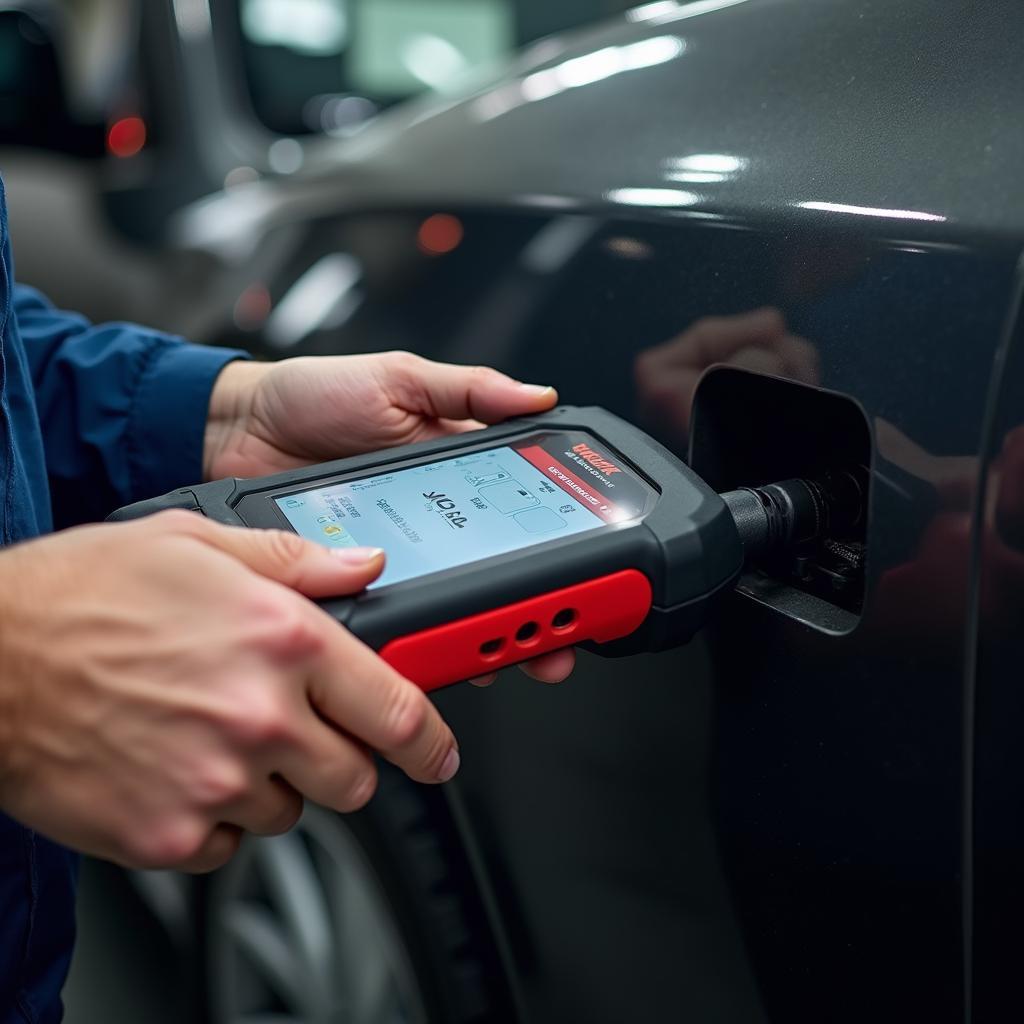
<point>568,528</point>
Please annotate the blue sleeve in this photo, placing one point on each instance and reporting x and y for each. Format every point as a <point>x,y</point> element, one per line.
<point>122,408</point>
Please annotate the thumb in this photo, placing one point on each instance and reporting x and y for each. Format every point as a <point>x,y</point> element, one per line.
<point>447,391</point>
<point>302,565</point>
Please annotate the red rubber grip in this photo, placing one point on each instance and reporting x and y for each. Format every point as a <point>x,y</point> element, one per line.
<point>601,609</point>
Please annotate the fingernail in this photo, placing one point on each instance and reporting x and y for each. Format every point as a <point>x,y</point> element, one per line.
<point>536,389</point>
<point>356,556</point>
<point>449,766</point>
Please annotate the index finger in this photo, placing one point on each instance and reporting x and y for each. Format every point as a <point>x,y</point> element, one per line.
<point>355,690</point>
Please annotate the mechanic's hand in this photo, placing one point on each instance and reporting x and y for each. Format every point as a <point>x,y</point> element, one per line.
<point>268,417</point>
<point>164,685</point>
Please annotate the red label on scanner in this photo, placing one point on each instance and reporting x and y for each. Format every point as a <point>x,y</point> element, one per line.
<point>568,481</point>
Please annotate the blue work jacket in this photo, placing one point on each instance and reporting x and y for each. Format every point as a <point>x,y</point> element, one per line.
<point>91,417</point>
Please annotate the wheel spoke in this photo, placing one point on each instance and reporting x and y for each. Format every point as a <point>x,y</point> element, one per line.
<point>297,895</point>
<point>257,937</point>
<point>303,924</point>
<point>365,941</point>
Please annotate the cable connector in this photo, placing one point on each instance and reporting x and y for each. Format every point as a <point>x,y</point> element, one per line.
<point>791,514</point>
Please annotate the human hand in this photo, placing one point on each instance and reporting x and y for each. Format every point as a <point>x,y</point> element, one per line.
<point>164,685</point>
<point>269,417</point>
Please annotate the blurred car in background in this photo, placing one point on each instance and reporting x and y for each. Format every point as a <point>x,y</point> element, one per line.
<point>783,237</point>
<point>117,114</point>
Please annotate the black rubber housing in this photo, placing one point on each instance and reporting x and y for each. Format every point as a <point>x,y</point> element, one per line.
<point>687,545</point>
<point>782,516</point>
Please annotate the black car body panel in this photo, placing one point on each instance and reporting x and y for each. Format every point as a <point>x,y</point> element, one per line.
<point>897,108</point>
<point>780,822</point>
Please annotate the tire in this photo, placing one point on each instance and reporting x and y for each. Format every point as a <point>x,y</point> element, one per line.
<point>368,918</point>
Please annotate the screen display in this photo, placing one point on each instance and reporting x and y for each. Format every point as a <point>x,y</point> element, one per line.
<point>443,514</point>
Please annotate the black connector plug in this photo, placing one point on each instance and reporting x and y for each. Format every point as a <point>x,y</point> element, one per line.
<point>780,518</point>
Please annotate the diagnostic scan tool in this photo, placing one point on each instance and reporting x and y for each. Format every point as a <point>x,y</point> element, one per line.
<point>568,528</point>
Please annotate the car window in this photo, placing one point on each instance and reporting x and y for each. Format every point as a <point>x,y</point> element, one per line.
<point>330,65</point>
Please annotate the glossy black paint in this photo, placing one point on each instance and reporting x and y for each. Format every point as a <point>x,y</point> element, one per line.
<point>775,824</point>
<point>903,108</point>
<point>993,708</point>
